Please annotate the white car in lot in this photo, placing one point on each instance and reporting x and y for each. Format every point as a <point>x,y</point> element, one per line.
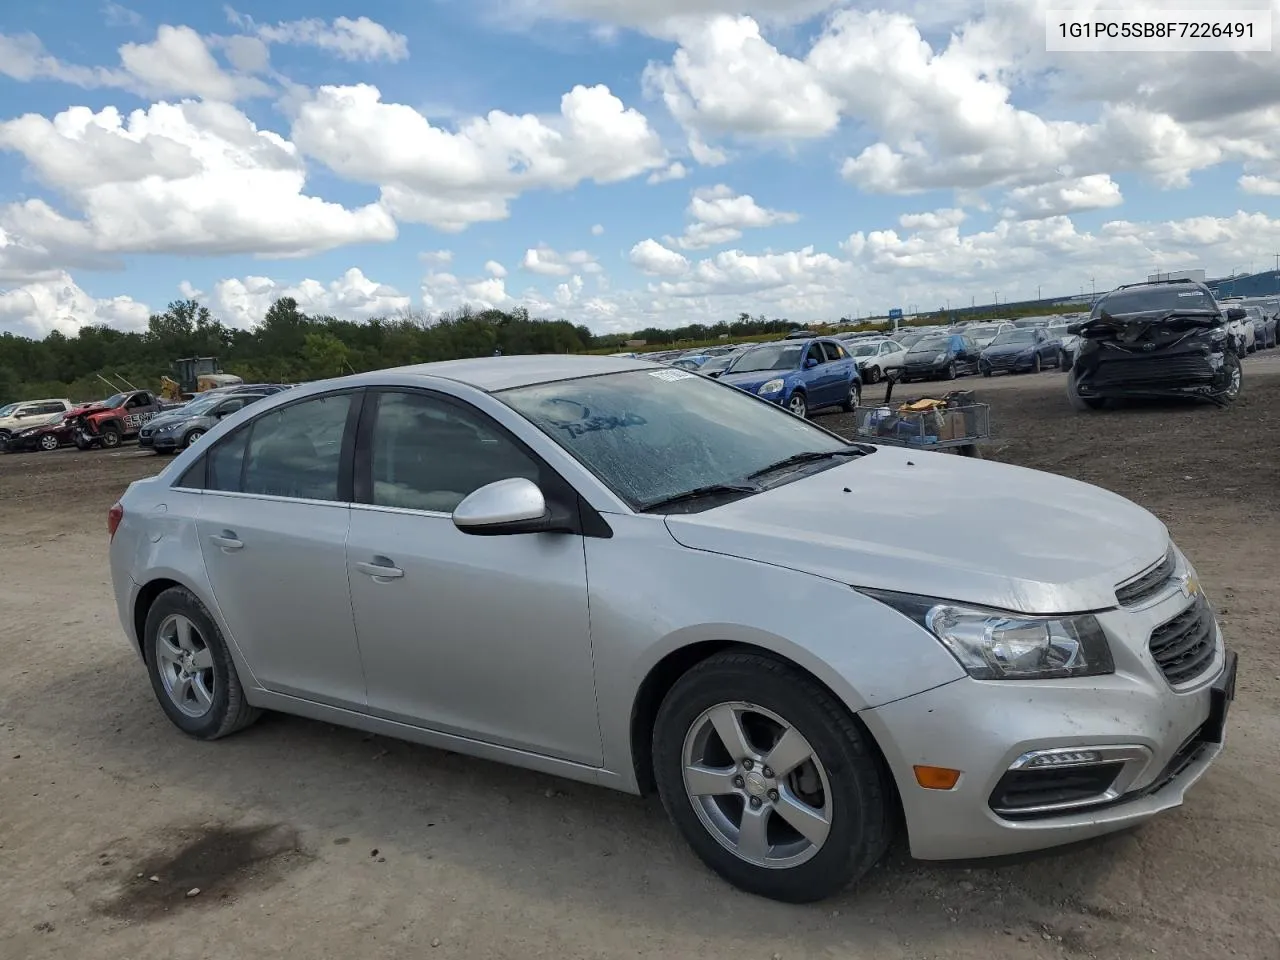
<point>15,417</point>
<point>876,359</point>
<point>641,578</point>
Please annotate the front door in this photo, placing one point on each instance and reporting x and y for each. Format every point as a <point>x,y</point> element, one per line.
<point>486,637</point>
<point>272,529</point>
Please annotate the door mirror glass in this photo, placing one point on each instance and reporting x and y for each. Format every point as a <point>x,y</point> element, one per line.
<point>514,505</point>
<point>810,363</point>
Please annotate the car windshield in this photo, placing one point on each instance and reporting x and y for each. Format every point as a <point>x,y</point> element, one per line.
<point>930,343</point>
<point>200,404</point>
<point>1058,330</point>
<point>1156,299</point>
<point>114,400</point>
<point>1016,335</point>
<point>773,356</point>
<point>654,434</point>
<point>716,363</point>
<point>7,409</point>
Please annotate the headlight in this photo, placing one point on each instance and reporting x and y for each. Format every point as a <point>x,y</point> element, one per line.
<point>940,358</point>
<point>773,386</point>
<point>996,645</point>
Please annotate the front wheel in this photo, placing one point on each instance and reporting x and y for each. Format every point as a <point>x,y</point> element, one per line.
<point>1035,364</point>
<point>1082,403</point>
<point>192,437</point>
<point>48,442</point>
<point>774,784</point>
<point>1235,378</point>
<point>951,370</point>
<point>798,405</point>
<point>111,436</point>
<point>872,374</point>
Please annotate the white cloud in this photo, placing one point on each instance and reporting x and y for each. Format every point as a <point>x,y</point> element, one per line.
<point>653,258</point>
<point>117,16</point>
<point>495,269</point>
<point>547,262</point>
<point>1095,192</point>
<point>353,296</point>
<point>358,39</point>
<point>597,230</point>
<point>453,179</point>
<point>718,215</point>
<point>437,258</point>
<point>932,220</point>
<point>58,303</point>
<point>675,171</point>
<point>1262,186</point>
<point>188,178</point>
<point>178,62</point>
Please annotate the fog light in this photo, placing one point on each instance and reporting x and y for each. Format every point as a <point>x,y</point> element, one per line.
<point>937,778</point>
<point>1066,758</point>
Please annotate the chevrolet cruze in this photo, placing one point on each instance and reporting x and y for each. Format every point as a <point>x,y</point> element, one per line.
<point>641,578</point>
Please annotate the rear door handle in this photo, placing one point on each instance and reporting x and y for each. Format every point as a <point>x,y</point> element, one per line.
<point>227,540</point>
<point>380,569</point>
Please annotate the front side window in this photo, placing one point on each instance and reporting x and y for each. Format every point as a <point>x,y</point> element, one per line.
<point>428,454</point>
<point>296,451</point>
<point>652,435</point>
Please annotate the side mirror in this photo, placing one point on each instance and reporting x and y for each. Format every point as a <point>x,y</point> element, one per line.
<point>715,373</point>
<point>811,363</point>
<point>514,505</point>
<point>1236,313</point>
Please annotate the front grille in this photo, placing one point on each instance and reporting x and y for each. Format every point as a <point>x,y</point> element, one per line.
<point>1025,790</point>
<point>1155,369</point>
<point>1147,585</point>
<point>1002,362</point>
<point>1184,647</point>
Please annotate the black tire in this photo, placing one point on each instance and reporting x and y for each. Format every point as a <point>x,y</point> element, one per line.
<point>191,438</point>
<point>951,370</point>
<point>854,397</point>
<point>4,437</point>
<point>48,442</point>
<point>230,711</point>
<point>83,444</point>
<point>111,436</point>
<point>798,404</point>
<point>1082,403</point>
<point>873,374</point>
<point>1035,364</point>
<point>1233,369</point>
<point>986,371</point>
<point>861,802</point>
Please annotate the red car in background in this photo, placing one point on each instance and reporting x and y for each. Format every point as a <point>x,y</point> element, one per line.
<point>49,435</point>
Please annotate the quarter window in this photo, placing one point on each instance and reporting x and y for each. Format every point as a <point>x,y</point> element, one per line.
<point>428,454</point>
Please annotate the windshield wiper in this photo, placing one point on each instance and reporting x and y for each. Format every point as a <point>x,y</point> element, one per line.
<point>698,493</point>
<point>809,456</point>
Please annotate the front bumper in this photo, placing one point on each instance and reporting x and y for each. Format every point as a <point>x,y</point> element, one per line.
<point>16,444</point>
<point>927,371</point>
<point>983,728</point>
<point>157,441</point>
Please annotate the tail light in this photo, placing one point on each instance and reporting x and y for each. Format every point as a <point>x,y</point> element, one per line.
<point>114,516</point>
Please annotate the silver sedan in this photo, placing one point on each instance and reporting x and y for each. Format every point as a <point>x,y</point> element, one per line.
<point>638,577</point>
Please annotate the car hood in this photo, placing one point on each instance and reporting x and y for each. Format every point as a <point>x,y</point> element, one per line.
<point>171,418</point>
<point>952,527</point>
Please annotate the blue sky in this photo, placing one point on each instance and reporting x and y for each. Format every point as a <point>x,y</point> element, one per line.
<point>807,160</point>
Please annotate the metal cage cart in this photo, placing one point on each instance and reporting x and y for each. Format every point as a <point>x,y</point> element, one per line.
<point>952,422</point>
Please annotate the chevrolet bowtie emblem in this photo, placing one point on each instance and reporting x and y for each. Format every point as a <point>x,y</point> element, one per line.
<point>1190,586</point>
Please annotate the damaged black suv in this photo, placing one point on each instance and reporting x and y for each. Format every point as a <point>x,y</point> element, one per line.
<point>1166,339</point>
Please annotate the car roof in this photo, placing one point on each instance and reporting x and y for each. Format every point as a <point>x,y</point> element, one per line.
<point>502,373</point>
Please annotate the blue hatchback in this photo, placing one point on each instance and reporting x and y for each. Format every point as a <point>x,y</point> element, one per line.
<point>801,375</point>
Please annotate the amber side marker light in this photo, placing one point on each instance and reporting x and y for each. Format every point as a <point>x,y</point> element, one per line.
<point>114,516</point>
<point>937,778</point>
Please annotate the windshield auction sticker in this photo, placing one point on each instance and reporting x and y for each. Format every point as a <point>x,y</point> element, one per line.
<point>1151,29</point>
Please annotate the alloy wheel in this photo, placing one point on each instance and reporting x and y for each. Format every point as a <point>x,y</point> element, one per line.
<point>48,442</point>
<point>193,436</point>
<point>757,785</point>
<point>185,665</point>
<point>797,405</point>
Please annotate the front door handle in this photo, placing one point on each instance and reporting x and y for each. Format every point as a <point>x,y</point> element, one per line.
<point>227,540</point>
<point>380,569</point>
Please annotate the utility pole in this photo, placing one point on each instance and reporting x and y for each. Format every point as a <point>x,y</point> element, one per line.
<point>1038,297</point>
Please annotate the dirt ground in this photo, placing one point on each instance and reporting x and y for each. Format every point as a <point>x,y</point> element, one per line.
<point>314,842</point>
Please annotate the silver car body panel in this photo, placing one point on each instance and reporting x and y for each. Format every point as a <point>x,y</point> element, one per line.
<point>542,642</point>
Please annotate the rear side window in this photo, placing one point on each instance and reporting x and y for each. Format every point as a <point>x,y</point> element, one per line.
<point>225,462</point>
<point>296,451</point>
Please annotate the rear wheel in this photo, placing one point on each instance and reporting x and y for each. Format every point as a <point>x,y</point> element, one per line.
<point>191,669</point>
<point>798,405</point>
<point>772,782</point>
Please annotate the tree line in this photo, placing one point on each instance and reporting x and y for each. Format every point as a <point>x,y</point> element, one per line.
<point>289,346</point>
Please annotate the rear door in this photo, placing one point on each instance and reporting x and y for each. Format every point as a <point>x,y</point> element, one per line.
<point>273,527</point>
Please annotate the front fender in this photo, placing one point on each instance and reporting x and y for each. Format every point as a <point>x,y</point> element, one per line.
<point>650,596</point>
